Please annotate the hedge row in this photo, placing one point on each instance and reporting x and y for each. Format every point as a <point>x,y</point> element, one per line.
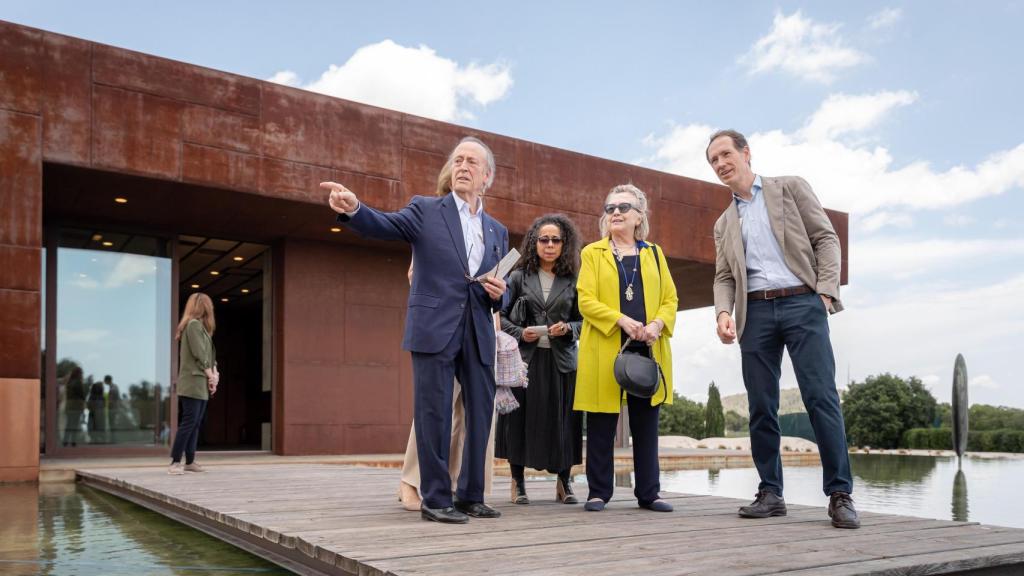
<point>977,440</point>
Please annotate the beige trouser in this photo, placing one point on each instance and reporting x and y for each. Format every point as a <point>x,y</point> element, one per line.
<point>411,466</point>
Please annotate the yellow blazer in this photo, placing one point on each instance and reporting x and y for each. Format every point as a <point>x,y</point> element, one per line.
<point>600,338</point>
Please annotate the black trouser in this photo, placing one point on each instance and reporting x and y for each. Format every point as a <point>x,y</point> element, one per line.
<point>643,426</point>
<point>191,417</point>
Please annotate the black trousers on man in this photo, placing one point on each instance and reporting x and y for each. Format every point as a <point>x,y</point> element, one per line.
<point>433,380</point>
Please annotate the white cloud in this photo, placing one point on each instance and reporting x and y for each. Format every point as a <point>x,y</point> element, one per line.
<point>880,220</point>
<point>841,114</point>
<point>889,257</point>
<point>847,174</point>
<point>130,268</point>
<point>885,18</point>
<point>803,48</point>
<point>286,77</point>
<point>983,381</point>
<point>413,80</point>
<point>958,220</point>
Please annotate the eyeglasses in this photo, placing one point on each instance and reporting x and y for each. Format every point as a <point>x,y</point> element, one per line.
<point>622,208</point>
<point>549,240</point>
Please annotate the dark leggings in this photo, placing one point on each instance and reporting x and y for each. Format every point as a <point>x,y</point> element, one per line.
<point>192,412</point>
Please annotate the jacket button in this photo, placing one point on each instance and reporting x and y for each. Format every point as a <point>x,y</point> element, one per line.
<point>462,305</point>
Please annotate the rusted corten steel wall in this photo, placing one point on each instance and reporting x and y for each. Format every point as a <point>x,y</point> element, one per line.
<point>78,105</point>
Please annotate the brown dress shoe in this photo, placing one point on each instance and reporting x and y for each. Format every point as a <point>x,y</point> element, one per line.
<point>765,505</point>
<point>842,512</point>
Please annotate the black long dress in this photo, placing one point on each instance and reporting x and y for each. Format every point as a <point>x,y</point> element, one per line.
<point>544,433</point>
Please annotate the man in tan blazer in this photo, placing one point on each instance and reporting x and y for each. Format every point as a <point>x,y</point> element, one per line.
<point>777,268</point>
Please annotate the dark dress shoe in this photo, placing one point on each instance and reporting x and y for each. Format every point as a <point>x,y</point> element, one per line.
<point>447,515</point>
<point>658,506</point>
<point>842,512</point>
<point>593,505</point>
<point>477,509</point>
<point>765,505</point>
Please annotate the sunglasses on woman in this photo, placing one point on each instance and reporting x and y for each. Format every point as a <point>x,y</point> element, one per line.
<point>622,208</point>
<point>550,240</point>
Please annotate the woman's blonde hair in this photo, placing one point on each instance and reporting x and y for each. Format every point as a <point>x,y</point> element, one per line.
<point>644,228</point>
<point>444,179</point>
<point>198,307</point>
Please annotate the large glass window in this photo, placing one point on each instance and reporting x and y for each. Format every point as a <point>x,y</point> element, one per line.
<point>113,339</point>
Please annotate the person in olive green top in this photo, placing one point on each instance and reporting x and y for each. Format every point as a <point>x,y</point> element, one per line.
<point>197,378</point>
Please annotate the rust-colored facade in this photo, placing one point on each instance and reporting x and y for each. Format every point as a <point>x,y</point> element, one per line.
<point>198,151</point>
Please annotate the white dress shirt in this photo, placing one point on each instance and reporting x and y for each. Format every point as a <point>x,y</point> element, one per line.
<point>472,231</point>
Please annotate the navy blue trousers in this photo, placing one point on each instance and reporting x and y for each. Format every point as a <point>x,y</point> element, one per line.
<point>191,413</point>
<point>433,381</point>
<point>643,426</point>
<point>800,324</point>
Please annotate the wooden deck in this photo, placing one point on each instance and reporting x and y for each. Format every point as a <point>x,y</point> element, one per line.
<point>327,519</point>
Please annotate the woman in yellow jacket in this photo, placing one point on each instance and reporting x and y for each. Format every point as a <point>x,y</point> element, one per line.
<point>626,292</point>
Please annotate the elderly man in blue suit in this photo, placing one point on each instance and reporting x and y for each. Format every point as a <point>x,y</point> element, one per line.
<point>449,327</point>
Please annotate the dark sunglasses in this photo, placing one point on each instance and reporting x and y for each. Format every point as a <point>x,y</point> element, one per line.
<point>622,208</point>
<point>550,240</point>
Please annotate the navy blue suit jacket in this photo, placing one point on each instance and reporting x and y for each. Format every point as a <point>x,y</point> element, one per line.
<point>440,291</point>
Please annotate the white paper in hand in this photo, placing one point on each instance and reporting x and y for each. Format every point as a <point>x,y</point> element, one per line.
<point>503,267</point>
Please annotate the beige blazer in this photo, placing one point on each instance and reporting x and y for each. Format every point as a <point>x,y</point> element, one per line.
<point>805,234</point>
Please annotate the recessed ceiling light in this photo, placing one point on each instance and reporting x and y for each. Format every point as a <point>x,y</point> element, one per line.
<point>195,285</point>
<point>238,258</point>
<point>121,200</point>
<point>223,299</point>
<point>97,237</point>
<point>245,290</point>
<point>108,243</point>
<point>214,273</point>
<point>335,229</point>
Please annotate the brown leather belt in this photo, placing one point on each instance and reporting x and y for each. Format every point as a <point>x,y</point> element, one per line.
<point>780,293</point>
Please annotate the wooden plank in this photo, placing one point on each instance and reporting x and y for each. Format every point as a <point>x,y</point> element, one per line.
<point>349,517</point>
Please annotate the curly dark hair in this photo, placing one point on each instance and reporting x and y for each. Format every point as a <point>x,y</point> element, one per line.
<point>568,263</point>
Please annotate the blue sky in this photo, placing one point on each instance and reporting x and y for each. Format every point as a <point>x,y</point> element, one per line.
<point>904,114</point>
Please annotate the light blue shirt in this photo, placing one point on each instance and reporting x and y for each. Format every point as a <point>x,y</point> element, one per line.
<point>766,265</point>
<point>472,231</point>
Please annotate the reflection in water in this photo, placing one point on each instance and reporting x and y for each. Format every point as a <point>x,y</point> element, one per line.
<point>59,529</point>
<point>905,485</point>
<point>891,469</point>
<point>713,474</point>
<point>960,508</point>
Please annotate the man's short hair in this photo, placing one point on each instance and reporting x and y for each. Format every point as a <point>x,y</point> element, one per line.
<point>490,162</point>
<point>738,140</point>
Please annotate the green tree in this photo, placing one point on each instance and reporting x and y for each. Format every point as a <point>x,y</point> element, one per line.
<point>736,422</point>
<point>986,417</point>
<point>683,417</point>
<point>714,417</point>
<point>879,410</point>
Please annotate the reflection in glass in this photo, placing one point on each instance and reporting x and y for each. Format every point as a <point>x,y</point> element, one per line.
<point>961,511</point>
<point>113,330</point>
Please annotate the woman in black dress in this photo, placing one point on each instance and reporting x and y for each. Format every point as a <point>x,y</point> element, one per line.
<point>544,433</point>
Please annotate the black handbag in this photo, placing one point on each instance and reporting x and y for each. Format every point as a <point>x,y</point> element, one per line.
<point>517,314</point>
<point>637,374</point>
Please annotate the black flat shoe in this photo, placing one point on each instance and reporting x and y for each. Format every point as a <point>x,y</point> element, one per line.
<point>447,515</point>
<point>658,506</point>
<point>477,509</point>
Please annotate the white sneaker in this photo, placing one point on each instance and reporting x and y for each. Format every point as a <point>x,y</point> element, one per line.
<point>176,469</point>
<point>194,467</point>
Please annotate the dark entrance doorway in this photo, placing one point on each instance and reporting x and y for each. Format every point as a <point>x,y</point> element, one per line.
<point>235,275</point>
